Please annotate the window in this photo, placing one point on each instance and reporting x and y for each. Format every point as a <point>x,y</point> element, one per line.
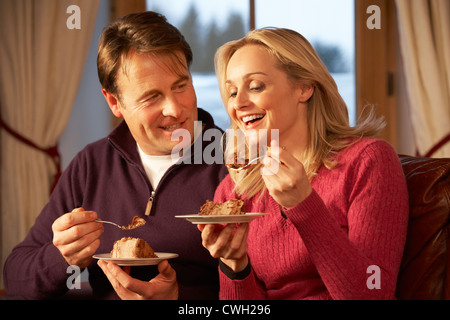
<point>329,26</point>
<point>206,25</point>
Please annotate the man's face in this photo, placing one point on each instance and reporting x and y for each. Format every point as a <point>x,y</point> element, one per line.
<point>154,100</point>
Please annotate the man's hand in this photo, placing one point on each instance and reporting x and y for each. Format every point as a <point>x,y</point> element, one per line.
<point>76,235</point>
<point>163,287</point>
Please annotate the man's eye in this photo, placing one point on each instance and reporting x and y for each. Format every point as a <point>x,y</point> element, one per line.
<point>151,99</point>
<point>180,86</point>
<point>233,94</point>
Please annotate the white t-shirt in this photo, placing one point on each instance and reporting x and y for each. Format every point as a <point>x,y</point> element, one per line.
<point>156,166</point>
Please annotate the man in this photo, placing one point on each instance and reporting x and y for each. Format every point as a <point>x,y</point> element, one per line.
<point>143,66</point>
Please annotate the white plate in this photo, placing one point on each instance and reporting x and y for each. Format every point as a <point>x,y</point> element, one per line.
<point>138,261</point>
<point>215,219</point>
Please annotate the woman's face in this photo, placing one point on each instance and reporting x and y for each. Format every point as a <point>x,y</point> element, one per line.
<point>261,96</point>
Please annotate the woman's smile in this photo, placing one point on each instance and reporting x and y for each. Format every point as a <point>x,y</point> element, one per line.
<point>252,121</point>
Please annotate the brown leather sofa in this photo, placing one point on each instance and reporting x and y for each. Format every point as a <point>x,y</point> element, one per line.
<point>425,270</point>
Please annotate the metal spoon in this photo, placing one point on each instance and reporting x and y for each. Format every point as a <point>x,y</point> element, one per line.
<point>245,166</point>
<point>135,223</point>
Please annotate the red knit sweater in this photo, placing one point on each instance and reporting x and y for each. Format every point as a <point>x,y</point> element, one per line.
<point>345,241</point>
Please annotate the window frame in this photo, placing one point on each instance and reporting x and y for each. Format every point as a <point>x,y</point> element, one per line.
<point>375,63</point>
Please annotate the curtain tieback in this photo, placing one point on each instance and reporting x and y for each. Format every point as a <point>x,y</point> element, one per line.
<point>436,147</point>
<point>52,152</point>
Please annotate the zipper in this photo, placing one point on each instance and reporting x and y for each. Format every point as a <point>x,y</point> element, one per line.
<point>148,208</point>
<point>149,205</point>
<point>150,200</point>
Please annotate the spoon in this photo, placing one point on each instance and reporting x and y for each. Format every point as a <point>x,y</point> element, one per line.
<point>238,167</point>
<point>135,223</point>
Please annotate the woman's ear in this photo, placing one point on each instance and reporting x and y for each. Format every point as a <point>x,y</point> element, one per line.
<point>305,92</point>
<point>113,103</point>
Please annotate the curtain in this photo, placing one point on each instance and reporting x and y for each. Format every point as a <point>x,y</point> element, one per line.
<point>424,29</point>
<point>44,45</point>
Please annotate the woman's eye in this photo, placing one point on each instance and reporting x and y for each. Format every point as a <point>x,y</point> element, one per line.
<point>233,94</point>
<point>257,87</point>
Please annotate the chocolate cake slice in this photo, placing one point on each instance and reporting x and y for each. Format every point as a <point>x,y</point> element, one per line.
<point>230,207</point>
<point>132,248</point>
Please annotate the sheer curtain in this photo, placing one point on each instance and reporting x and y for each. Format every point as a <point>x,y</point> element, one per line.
<point>424,27</point>
<point>44,44</point>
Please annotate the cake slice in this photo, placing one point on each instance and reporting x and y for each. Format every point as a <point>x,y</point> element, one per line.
<point>235,164</point>
<point>230,207</point>
<point>132,248</point>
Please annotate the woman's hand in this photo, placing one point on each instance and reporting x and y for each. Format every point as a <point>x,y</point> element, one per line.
<point>163,287</point>
<point>285,177</point>
<point>229,243</point>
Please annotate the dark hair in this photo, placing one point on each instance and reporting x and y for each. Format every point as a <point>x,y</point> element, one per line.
<point>144,32</point>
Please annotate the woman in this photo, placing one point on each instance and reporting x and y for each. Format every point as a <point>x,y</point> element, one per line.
<point>336,199</point>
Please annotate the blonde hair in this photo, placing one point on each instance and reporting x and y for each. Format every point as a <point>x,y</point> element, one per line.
<point>329,130</point>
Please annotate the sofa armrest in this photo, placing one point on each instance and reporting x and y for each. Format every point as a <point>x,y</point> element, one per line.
<point>425,270</point>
